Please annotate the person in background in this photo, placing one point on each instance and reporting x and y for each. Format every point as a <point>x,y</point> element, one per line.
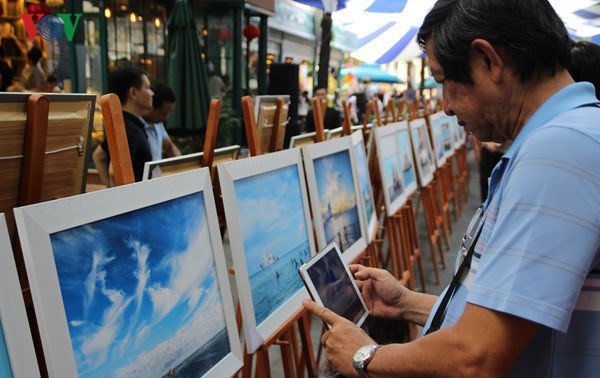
<point>332,118</point>
<point>303,107</point>
<point>163,103</point>
<point>52,84</point>
<point>525,301</point>
<point>37,76</point>
<point>6,72</point>
<point>133,88</point>
<point>585,63</point>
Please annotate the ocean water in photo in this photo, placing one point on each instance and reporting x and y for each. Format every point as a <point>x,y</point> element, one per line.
<point>277,280</point>
<point>203,359</point>
<point>343,228</point>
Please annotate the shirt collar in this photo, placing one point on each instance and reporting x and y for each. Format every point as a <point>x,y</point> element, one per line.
<point>569,97</point>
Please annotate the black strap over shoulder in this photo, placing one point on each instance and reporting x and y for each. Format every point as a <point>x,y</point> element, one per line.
<point>440,313</point>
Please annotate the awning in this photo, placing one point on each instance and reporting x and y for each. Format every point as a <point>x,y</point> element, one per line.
<point>371,72</point>
<point>319,3</point>
<point>386,30</point>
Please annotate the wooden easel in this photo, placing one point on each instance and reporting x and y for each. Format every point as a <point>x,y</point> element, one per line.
<point>284,336</point>
<point>279,125</point>
<point>319,108</point>
<point>347,124</point>
<point>390,112</point>
<point>116,136</point>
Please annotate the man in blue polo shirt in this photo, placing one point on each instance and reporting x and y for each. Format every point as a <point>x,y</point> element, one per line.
<point>526,302</point>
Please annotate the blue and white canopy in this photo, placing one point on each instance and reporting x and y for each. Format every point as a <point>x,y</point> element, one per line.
<point>386,29</point>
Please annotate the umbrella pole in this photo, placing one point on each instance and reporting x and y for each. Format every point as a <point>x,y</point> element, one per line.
<point>248,66</point>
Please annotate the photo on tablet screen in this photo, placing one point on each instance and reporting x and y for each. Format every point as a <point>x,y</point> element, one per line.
<point>330,284</point>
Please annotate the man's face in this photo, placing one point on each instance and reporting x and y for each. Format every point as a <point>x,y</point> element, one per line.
<point>143,95</point>
<point>321,93</point>
<point>475,105</point>
<point>160,114</point>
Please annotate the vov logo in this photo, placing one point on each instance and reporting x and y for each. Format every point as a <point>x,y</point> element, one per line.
<point>51,27</point>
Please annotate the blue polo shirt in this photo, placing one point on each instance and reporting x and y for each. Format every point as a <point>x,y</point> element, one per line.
<point>538,256</point>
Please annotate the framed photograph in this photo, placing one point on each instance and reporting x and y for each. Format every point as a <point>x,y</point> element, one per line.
<point>330,284</point>
<point>264,108</point>
<point>442,137</point>
<point>175,164</point>
<point>334,196</point>
<point>335,133</point>
<point>17,356</point>
<point>409,173</point>
<point>366,202</point>
<point>137,285</point>
<point>268,221</point>
<point>178,164</point>
<point>306,138</point>
<point>422,150</point>
<point>457,138</point>
<point>391,167</point>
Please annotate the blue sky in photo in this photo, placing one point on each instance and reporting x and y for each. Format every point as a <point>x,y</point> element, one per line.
<point>335,182</point>
<point>271,214</point>
<point>140,289</point>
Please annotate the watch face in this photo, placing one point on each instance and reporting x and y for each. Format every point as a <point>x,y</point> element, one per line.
<point>362,353</point>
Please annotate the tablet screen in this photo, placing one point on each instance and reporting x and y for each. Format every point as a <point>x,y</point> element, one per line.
<point>330,284</point>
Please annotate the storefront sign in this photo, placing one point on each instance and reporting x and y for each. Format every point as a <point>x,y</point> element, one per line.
<point>51,27</point>
<point>293,19</point>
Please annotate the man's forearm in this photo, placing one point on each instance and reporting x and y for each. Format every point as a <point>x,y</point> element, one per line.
<point>417,307</point>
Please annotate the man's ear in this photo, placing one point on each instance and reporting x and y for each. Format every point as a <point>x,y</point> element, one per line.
<point>131,93</point>
<point>490,56</point>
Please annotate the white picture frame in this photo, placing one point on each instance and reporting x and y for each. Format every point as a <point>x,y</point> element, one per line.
<point>334,192</point>
<point>270,234</point>
<point>178,164</point>
<point>132,280</point>
<point>367,201</point>
<point>409,172</point>
<point>17,354</point>
<point>300,140</point>
<point>441,132</point>
<point>422,151</point>
<point>390,167</point>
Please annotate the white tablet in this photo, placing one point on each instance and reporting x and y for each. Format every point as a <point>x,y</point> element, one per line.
<point>330,284</point>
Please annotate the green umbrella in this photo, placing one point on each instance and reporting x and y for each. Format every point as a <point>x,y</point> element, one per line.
<point>187,73</point>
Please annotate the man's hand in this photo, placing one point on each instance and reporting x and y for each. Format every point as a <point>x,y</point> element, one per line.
<point>381,291</point>
<point>387,298</point>
<point>341,341</point>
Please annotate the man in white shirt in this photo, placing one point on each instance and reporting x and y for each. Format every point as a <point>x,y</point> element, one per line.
<point>163,103</point>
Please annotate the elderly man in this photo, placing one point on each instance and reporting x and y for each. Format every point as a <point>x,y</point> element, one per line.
<point>527,298</point>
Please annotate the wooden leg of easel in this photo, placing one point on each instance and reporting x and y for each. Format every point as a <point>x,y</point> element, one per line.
<point>263,369</point>
<point>307,346</point>
<point>287,357</point>
<point>393,247</point>
<point>248,360</point>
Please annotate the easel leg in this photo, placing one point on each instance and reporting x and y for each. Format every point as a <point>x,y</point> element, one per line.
<point>307,347</point>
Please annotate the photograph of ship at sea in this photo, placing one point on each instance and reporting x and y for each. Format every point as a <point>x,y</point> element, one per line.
<point>274,234</point>
<point>406,158</point>
<point>141,293</point>
<point>337,199</point>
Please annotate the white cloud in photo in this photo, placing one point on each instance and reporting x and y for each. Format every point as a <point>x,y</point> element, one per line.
<point>187,269</point>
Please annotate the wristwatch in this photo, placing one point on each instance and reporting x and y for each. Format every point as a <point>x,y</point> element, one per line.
<point>362,357</point>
